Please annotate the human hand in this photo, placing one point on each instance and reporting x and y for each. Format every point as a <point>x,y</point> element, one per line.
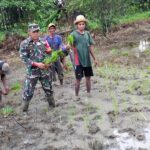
<point>95,62</point>
<point>40,65</point>
<point>65,67</point>
<point>68,47</point>
<point>5,91</point>
<point>49,50</point>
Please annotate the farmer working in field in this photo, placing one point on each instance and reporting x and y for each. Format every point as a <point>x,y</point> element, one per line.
<point>33,50</point>
<point>83,48</point>
<point>55,42</point>
<point>4,70</point>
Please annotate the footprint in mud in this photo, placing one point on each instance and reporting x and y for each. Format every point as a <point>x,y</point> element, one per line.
<point>112,115</point>
<point>77,148</point>
<point>61,104</point>
<point>133,109</point>
<point>79,118</point>
<point>49,148</point>
<point>54,129</point>
<point>129,130</point>
<point>93,128</point>
<point>70,129</point>
<point>140,137</point>
<point>96,145</point>
<point>97,117</point>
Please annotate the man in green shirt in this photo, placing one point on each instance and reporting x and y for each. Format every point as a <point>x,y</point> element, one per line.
<point>83,48</point>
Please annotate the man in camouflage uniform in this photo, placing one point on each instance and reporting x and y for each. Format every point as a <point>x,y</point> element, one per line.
<point>33,51</point>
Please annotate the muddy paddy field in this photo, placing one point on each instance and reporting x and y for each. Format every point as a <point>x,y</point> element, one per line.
<point>115,117</point>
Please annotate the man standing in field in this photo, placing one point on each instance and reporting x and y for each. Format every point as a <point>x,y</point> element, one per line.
<point>33,50</point>
<point>4,70</point>
<point>83,48</point>
<point>55,42</point>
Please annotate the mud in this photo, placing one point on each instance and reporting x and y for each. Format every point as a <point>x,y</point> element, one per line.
<point>116,117</point>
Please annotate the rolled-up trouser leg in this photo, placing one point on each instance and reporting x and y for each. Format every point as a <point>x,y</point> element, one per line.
<point>29,87</point>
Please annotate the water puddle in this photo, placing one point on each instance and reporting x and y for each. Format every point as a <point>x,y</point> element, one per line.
<point>126,141</point>
<point>143,46</point>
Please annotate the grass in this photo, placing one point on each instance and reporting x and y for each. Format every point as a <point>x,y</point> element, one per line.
<point>7,111</point>
<point>117,52</point>
<point>118,72</point>
<point>114,102</point>
<point>134,17</point>
<point>136,82</point>
<point>2,36</point>
<point>147,52</point>
<point>142,86</point>
<point>16,87</point>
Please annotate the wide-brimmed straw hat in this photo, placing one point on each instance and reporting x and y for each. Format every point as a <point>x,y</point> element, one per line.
<point>80,18</point>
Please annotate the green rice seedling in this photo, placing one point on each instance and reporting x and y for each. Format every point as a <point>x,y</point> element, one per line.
<point>124,102</point>
<point>54,57</point>
<point>16,87</point>
<point>7,111</point>
<point>141,113</point>
<point>115,51</point>
<point>70,40</point>
<point>139,85</point>
<point>115,103</point>
<point>71,114</point>
<point>147,52</point>
<point>125,53</point>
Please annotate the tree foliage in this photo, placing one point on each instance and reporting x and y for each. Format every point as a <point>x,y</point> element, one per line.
<point>102,12</point>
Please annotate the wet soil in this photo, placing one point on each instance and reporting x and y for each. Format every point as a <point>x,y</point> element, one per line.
<point>115,117</point>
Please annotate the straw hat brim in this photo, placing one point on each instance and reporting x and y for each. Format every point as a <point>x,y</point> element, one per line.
<point>51,25</point>
<point>80,20</point>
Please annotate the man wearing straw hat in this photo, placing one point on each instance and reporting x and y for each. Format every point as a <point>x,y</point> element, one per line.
<point>83,48</point>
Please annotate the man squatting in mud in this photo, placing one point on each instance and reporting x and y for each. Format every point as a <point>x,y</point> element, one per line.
<point>4,70</point>
<point>33,50</point>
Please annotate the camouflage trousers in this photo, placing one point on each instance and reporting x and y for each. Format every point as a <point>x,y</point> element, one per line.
<point>56,68</point>
<point>30,83</point>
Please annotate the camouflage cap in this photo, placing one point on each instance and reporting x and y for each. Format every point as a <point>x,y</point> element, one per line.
<point>5,68</point>
<point>33,27</point>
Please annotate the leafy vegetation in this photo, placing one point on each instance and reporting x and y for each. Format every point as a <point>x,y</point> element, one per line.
<point>16,87</point>
<point>70,40</point>
<point>139,87</point>
<point>7,111</point>
<point>54,57</point>
<point>102,14</point>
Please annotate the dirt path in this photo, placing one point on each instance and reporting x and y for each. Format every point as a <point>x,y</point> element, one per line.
<point>116,117</point>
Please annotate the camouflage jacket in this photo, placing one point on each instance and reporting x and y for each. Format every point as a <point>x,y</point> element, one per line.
<point>32,52</point>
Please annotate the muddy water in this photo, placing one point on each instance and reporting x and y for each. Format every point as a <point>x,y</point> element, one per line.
<point>126,141</point>
<point>116,117</point>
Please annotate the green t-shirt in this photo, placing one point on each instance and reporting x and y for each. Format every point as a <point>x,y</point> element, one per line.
<point>82,42</point>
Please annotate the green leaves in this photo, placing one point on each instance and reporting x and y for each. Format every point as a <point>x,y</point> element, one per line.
<point>16,87</point>
<point>70,40</point>
<point>54,57</point>
<point>7,111</point>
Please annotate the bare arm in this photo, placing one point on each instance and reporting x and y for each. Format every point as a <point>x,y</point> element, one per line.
<point>93,55</point>
<point>4,82</point>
